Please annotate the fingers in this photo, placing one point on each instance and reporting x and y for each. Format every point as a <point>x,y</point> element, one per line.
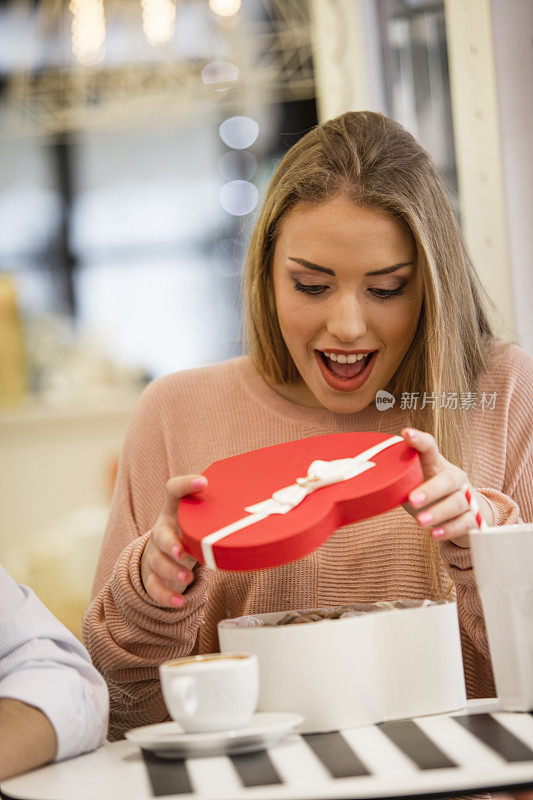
<point>167,540</point>
<point>420,440</point>
<point>164,597</point>
<point>166,569</point>
<point>439,502</point>
<point>176,488</point>
<point>456,530</point>
<point>430,456</point>
<point>445,487</point>
<point>445,511</point>
<point>172,574</point>
<point>169,553</point>
<point>451,517</point>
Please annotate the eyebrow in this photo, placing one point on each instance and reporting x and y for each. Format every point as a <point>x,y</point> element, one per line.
<point>328,271</point>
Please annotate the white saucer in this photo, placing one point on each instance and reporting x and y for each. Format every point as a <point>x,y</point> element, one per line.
<point>168,739</point>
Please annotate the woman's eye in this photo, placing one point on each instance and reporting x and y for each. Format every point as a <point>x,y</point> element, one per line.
<point>383,294</point>
<point>315,289</point>
<point>309,288</point>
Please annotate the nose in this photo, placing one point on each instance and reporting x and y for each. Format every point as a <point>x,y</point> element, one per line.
<point>346,319</point>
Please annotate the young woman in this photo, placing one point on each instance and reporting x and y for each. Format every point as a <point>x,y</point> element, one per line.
<point>356,281</point>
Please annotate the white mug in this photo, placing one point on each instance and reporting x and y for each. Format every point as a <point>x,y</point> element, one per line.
<point>503,566</point>
<point>211,692</point>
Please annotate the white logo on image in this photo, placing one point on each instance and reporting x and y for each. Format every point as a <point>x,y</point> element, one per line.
<point>384,400</point>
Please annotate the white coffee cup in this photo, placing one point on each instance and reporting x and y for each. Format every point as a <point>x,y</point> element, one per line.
<point>211,692</point>
<point>503,566</point>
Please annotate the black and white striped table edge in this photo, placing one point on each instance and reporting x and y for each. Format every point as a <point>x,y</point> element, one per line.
<point>417,745</point>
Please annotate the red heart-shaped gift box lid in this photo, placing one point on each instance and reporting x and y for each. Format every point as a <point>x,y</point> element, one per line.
<point>247,479</point>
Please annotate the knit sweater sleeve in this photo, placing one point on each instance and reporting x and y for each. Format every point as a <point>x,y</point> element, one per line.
<point>511,505</point>
<point>127,635</point>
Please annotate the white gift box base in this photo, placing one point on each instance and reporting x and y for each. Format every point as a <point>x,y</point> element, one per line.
<point>378,666</point>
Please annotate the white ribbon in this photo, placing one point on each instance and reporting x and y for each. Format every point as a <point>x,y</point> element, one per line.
<point>319,474</point>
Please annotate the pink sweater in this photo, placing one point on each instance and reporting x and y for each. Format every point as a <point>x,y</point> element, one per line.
<point>185,421</point>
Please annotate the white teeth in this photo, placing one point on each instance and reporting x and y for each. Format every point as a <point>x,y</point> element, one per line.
<point>344,359</point>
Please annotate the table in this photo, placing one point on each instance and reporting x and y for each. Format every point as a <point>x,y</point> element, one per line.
<point>476,750</point>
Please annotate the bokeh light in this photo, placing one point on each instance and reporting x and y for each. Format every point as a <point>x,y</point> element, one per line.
<point>220,72</point>
<point>159,20</point>
<point>238,197</point>
<point>225,8</point>
<point>88,30</point>
<point>237,164</point>
<point>239,132</point>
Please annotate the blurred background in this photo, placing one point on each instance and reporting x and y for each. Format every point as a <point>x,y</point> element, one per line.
<point>137,138</point>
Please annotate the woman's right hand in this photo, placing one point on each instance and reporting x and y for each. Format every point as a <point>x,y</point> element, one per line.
<point>166,570</point>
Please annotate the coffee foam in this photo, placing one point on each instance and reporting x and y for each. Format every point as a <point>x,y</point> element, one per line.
<point>201,659</point>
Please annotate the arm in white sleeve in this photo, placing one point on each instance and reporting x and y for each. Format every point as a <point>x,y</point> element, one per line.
<point>43,664</point>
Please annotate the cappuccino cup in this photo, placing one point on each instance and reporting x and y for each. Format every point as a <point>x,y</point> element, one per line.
<point>212,692</point>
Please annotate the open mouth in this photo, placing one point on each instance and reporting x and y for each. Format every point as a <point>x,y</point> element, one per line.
<point>347,371</point>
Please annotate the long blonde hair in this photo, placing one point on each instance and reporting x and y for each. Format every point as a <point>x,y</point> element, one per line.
<point>376,163</point>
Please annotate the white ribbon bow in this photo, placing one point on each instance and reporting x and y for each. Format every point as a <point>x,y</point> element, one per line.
<point>319,474</point>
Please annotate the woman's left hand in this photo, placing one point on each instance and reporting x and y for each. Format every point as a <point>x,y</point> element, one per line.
<point>439,502</point>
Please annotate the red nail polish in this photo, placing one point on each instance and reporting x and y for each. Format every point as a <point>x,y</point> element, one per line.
<point>436,532</point>
<point>176,552</point>
<point>199,483</point>
<point>177,600</point>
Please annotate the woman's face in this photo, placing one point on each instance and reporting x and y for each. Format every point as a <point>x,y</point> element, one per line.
<point>345,282</point>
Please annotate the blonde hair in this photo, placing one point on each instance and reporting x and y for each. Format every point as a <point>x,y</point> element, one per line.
<point>376,163</point>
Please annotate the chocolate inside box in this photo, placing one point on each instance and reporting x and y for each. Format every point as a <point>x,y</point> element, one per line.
<point>299,617</point>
